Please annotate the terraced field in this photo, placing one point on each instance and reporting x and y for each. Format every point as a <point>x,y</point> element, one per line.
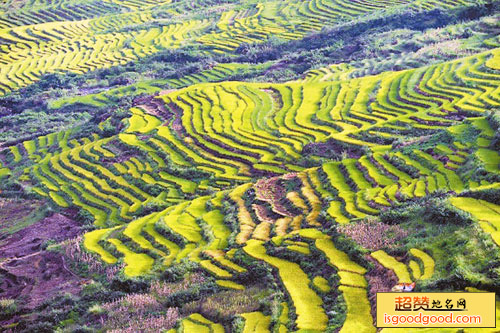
<point>83,36</point>
<point>230,175</point>
<point>223,132</point>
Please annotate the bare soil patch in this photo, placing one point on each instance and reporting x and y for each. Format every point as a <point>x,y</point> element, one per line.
<point>31,239</point>
<point>15,213</point>
<point>31,274</point>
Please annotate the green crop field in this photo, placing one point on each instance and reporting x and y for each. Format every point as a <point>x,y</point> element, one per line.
<point>244,166</point>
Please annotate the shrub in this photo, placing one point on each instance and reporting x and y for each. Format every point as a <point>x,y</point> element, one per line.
<point>222,306</point>
<point>178,272</point>
<point>7,307</point>
<point>82,329</point>
<point>129,285</point>
<point>41,327</point>
<point>494,121</point>
<point>108,129</point>
<point>137,303</point>
<point>491,195</point>
<point>163,290</point>
<point>441,212</point>
<point>400,214</point>
<point>122,323</point>
<point>373,234</point>
<point>85,217</point>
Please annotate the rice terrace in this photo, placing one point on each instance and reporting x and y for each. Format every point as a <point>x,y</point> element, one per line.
<point>245,166</point>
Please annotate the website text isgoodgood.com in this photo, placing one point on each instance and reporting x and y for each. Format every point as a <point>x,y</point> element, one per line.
<point>423,319</point>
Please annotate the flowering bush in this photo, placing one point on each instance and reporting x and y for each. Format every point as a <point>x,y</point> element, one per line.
<point>373,234</point>
<point>138,303</point>
<point>133,313</point>
<point>162,290</point>
<point>145,312</point>
<point>150,323</point>
<point>446,48</point>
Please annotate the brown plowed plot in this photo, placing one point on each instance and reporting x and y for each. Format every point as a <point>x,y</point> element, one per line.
<point>14,212</point>
<point>30,240</point>
<point>33,275</point>
<point>271,191</point>
<point>37,278</point>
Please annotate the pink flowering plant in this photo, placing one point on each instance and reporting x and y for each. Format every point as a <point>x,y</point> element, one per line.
<point>373,234</point>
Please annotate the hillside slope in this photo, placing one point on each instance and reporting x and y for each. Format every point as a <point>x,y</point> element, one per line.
<point>170,164</point>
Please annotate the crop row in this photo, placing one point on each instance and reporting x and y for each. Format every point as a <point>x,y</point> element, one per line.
<point>352,283</point>
<point>187,230</point>
<point>58,12</point>
<point>194,231</point>
<point>46,44</point>
<point>4,172</point>
<point>76,47</point>
<point>198,323</point>
<point>294,19</point>
<point>111,192</point>
<point>486,213</point>
<point>217,73</point>
<point>354,188</point>
<point>190,230</point>
<point>401,269</point>
<point>108,191</point>
<point>202,236</point>
<point>232,123</point>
